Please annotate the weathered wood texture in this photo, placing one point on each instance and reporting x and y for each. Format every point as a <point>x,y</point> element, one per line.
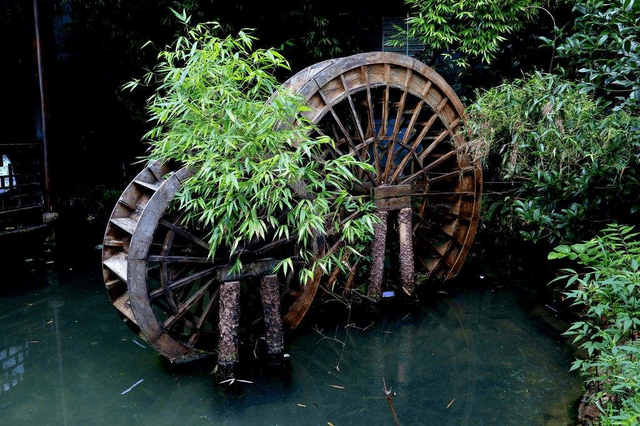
<point>274,335</point>
<point>229,320</point>
<point>376,272</point>
<point>406,250</point>
<point>392,197</point>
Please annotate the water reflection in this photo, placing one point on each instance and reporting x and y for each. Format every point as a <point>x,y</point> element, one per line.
<point>474,357</point>
<point>12,359</point>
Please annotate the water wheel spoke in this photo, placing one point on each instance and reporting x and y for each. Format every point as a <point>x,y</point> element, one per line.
<point>428,167</point>
<point>434,144</point>
<point>164,283</point>
<point>179,259</point>
<point>413,153</point>
<point>371,125</point>
<point>184,307</point>
<point>347,138</point>
<point>451,175</point>
<point>184,281</point>
<point>180,231</point>
<point>354,113</point>
<point>397,125</point>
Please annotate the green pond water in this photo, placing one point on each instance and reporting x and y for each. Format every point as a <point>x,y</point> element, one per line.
<point>477,355</point>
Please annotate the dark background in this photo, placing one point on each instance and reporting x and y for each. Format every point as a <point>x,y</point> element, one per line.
<point>90,48</point>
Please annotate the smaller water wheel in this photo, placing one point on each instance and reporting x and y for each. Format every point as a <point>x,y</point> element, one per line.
<point>186,305</point>
<point>388,109</point>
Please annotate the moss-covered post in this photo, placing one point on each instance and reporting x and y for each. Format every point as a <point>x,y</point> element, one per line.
<point>406,250</point>
<point>269,290</point>
<point>229,317</point>
<point>376,273</point>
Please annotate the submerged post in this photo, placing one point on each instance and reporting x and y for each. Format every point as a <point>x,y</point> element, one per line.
<point>269,290</point>
<point>406,250</point>
<point>229,317</point>
<point>376,273</point>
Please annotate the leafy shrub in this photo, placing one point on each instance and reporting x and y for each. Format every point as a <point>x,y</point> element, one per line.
<point>605,52</point>
<point>259,176</point>
<point>465,28</point>
<point>608,295</point>
<point>566,161</point>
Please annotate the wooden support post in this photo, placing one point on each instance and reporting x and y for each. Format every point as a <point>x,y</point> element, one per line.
<point>406,250</point>
<point>376,273</point>
<point>269,290</point>
<point>229,317</point>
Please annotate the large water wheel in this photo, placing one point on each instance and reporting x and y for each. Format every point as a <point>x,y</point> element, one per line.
<point>388,109</point>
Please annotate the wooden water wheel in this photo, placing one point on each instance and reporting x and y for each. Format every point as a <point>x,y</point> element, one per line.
<point>400,116</point>
<point>388,109</point>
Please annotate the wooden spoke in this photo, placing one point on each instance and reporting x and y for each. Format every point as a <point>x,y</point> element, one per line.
<point>187,305</point>
<point>184,281</point>
<point>354,113</point>
<point>184,233</point>
<point>396,127</point>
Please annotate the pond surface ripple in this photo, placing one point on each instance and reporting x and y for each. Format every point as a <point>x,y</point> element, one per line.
<point>475,356</point>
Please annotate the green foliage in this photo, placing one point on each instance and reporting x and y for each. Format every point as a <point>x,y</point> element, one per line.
<point>608,293</point>
<point>465,29</point>
<point>567,163</point>
<point>320,40</point>
<point>259,175</point>
<point>604,50</point>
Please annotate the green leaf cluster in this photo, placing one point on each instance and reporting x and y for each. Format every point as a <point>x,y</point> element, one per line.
<point>465,28</point>
<point>604,49</point>
<point>607,290</point>
<point>259,175</point>
<point>563,159</point>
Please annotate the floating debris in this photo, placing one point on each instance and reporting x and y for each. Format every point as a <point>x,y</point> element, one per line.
<point>233,380</point>
<point>388,395</point>
<point>139,344</point>
<point>132,386</point>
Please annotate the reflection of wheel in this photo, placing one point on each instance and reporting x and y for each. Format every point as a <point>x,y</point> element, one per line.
<point>388,109</point>
<point>427,357</point>
<point>403,118</point>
